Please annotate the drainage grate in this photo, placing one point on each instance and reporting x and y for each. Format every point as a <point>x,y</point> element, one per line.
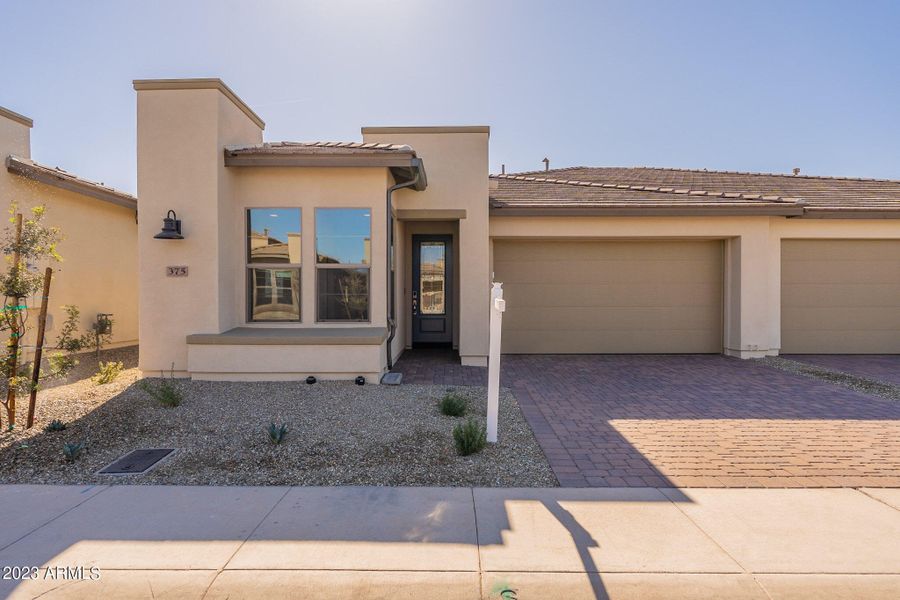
<point>392,378</point>
<point>137,461</point>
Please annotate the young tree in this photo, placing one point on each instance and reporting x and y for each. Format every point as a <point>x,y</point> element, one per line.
<point>27,244</point>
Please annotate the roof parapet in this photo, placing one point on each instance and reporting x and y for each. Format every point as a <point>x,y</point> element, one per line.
<point>14,116</point>
<point>208,83</point>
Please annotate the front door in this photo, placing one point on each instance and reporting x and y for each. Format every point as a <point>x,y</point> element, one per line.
<point>431,292</point>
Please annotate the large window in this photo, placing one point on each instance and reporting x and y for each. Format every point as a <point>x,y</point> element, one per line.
<point>343,259</point>
<point>273,264</point>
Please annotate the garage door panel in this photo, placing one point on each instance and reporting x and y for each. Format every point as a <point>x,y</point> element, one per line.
<point>840,296</point>
<point>577,318</point>
<point>613,342</point>
<point>608,271</point>
<point>842,271</point>
<point>517,251</point>
<point>852,342</point>
<point>841,319</point>
<point>838,250</point>
<point>608,297</point>
<point>844,295</point>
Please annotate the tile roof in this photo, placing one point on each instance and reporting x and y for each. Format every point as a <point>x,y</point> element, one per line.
<point>63,179</point>
<point>319,148</point>
<point>656,187</point>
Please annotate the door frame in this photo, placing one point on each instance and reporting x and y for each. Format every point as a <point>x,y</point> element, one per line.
<point>449,305</point>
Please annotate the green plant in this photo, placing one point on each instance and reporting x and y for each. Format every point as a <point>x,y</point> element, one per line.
<point>108,372</point>
<point>72,450</point>
<point>165,392</point>
<point>277,432</point>
<point>453,404</point>
<point>55,425</point>
<point>470,437</point>
<point>27,246</point>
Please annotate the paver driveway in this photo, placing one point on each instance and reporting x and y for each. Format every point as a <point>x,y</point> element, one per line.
<point>689,421</point>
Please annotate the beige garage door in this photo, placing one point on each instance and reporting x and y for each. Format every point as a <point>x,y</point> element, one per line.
<point>610,297</point>
<point>840,296</point>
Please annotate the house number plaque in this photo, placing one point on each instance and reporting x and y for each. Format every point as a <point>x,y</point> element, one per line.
<point>176,271</point>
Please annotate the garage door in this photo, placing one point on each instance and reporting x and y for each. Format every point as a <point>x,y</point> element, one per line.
<point>610,297</point>
<point>840,296</point>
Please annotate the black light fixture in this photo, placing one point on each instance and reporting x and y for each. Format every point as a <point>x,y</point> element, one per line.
<point>171,228</point>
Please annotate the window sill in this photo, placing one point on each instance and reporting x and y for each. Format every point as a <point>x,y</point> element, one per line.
<point>285,336</point>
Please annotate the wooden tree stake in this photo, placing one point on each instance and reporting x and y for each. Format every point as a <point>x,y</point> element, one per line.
<point>36,368</point>
<point>12,346</point>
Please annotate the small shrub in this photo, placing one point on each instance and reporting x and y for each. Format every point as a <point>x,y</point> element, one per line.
<point>72,450</point>
<point>453,404</point>
<point>165,392</point>
<point>108,372</point>
<point>277,432</point>
<point>54,425</point>
<point>469,437</point>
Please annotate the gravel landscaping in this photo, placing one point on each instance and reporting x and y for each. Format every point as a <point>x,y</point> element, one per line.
<point>339,434</point>
<point>854,382</point>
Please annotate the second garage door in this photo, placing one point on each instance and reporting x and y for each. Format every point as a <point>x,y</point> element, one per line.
<point>840,296</point>
<point>611,297</point>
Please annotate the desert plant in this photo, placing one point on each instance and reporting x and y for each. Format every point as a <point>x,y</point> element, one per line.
<point>165,392</point>
<point>54,425</point>
<point>108,372</point>
<point>277,432</point>
<point>72,450</point>
<point>68,343</point>
<point>453,404</point>
<point>470,437</point>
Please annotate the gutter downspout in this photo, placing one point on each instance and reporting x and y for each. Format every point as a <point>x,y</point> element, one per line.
<point>391,303</point>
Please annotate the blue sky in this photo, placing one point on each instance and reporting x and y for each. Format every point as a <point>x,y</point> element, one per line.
<point>759,86</point>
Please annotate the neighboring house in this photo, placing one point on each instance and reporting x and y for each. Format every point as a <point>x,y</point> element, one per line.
<point>593,260</point>
<point>99,226</point>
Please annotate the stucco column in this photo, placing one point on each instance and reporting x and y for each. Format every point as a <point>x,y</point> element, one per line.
<point>182,128</point>
<point>751,294</point>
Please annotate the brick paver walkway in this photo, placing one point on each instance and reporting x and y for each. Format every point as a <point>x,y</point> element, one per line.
<point>880,367</point>
<point>689,421</point>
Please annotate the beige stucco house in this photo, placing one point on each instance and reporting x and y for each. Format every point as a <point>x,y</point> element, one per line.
<point>99,224</point>
<point>330,259</point>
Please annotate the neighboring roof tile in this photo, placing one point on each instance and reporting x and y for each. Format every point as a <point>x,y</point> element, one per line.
<point>63,179</point>
<point>831,194</point>
<point>294,148</point>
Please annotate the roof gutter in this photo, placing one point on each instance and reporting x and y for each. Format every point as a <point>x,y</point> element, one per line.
<point>418,181</point>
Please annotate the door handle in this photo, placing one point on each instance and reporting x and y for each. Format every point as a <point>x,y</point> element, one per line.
<point>415,303</point>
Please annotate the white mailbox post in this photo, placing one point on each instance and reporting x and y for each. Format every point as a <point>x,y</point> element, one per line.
<point>498,306</point>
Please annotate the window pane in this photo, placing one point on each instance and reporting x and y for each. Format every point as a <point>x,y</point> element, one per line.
<point>343,294</point>
<point>432,277</point>
<point>275,294</point>
<point>274,235</point>
<point>344,236</point>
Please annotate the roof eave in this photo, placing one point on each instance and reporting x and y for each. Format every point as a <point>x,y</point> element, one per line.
<point>67,182</point>
<point>647,211</point>
<point>850,213</point>
<point>267,159</point>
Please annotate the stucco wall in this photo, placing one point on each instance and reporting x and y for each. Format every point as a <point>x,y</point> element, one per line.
<point>99,268</point>
<point>456,162</point>
<point>308,189</point>
<point>181,135</point>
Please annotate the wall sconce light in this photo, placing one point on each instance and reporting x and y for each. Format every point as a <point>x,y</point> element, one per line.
<point>171,229</point>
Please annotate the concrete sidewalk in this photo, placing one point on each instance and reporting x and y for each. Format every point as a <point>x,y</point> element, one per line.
<point>458,543</point>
